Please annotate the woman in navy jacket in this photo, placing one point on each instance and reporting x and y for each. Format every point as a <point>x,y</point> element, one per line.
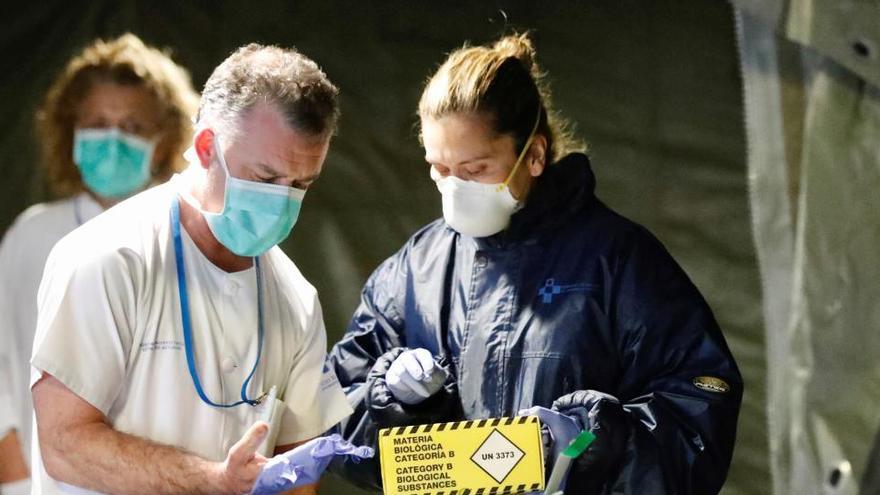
<point>531,292</point>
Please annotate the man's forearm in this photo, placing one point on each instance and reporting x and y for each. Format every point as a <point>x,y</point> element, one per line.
<point>304,490</point>
<point>97,457</point>
<point>12,463</point>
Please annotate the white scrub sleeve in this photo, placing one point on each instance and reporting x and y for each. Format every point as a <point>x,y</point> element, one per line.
<point>314,399</point>
<point>87,310</point>
<point>8,420</point>
<point>8,377</point>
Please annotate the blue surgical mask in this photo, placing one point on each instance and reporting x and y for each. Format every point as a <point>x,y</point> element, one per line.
<point>255,215</point>
<point>112,163</point>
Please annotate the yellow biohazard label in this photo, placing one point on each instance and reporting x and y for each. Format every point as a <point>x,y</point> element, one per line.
<point>479,457</point>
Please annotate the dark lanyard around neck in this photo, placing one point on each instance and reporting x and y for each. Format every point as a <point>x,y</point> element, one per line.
<point>187,325</point>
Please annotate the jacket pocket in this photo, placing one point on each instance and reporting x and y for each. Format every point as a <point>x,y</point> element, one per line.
<point>534,379</point>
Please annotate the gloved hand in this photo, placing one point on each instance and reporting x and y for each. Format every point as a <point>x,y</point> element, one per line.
<point>603,415</point>
<point>305,464</point>
<point>414,376</point>
<point>387,410</point>
<point>557,432</point>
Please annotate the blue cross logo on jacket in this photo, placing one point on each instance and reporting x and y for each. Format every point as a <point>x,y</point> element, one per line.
<point>551,288</point>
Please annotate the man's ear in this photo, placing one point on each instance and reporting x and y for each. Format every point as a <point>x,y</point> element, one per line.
<point>537,157</point>
<point>204,146</point>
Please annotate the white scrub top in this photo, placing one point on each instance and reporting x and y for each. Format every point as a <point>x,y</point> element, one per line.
<point>23,254</point>
<point>110,329</point>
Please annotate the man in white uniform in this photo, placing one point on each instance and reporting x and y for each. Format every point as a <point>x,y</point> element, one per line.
<point>176,343</point>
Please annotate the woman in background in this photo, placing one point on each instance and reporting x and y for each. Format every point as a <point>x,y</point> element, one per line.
<point>115,121</point>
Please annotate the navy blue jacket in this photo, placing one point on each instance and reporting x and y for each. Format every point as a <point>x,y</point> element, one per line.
<point>571,298</point>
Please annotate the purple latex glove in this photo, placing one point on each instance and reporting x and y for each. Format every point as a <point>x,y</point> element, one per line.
<point>305,464</point>
<point>562,429</point>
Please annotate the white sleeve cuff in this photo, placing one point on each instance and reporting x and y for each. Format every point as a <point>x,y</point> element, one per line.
<point>8,421</point>
<point>20,487</point>
<point>329,412</point>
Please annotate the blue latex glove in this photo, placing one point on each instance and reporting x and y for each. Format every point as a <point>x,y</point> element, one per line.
<point>305,464</point>
<point>562,428</point>
<point>414,376</point>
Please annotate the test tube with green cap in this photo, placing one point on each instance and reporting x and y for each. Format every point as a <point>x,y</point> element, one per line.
<point>574,449</point>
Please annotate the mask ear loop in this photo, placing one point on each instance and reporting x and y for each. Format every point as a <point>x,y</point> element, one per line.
<point>522,154</point>
<point>191,156</point>
<point>218,149</point>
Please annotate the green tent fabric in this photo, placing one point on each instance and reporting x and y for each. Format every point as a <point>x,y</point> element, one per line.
<point>813,120</point>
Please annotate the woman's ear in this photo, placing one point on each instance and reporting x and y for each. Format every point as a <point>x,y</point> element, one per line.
<point>537,158</point>
<point>204,146</point>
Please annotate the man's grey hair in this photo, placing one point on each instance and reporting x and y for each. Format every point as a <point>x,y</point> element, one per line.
<point>282,77</point>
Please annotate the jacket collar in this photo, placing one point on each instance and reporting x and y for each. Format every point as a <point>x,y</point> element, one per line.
<point>564,189</point>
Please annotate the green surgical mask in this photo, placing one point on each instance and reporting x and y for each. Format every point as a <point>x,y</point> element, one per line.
<point>255,215</point>
<point>112,163</point>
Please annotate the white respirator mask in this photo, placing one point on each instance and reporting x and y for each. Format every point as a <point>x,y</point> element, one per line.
<point>476,209</point>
